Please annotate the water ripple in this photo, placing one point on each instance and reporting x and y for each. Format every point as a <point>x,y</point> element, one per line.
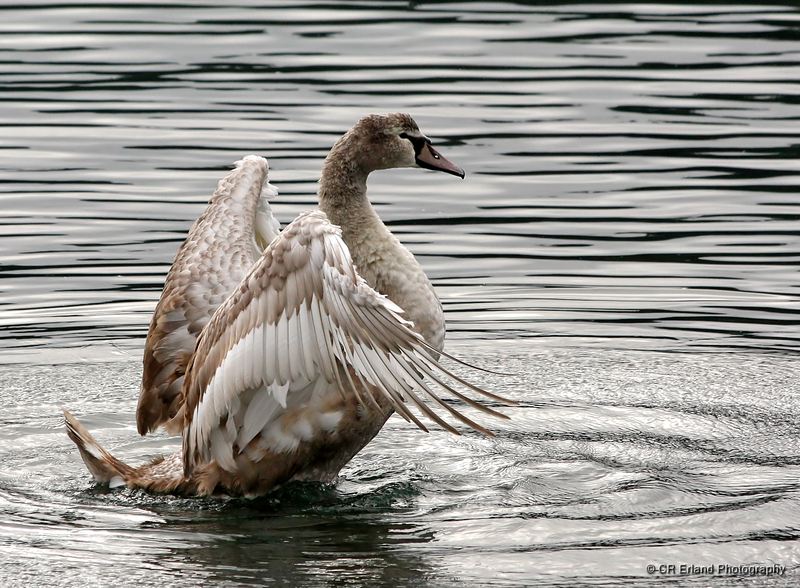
<point>629,221</point>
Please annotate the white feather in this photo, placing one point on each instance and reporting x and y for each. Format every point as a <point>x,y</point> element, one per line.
<point>262,409</point>
<point>270,353</point>
<point>308,341</point>
<point>282,351</point>
<point>278,440</point>
<point>279,392</point>
<point>328,421</point>
<point>257,358</point>
<point>116,482</point>
<point>303,429</point>
<point>221,450</point>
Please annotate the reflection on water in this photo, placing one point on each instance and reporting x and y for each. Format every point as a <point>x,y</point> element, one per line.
<point>631,189</point>
<point>630,168</point>
<point>612,460</point>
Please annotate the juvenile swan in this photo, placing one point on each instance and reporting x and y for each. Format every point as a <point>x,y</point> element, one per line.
<point>278,355</point>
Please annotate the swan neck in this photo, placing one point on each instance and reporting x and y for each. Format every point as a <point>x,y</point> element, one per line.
<point>343,185</point>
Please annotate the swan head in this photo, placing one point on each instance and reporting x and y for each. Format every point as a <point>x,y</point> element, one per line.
<point>387,141</point>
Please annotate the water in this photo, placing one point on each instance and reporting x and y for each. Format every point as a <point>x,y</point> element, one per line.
<point>626,241</point>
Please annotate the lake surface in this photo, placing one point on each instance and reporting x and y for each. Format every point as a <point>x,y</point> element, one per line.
<point>627,242</point>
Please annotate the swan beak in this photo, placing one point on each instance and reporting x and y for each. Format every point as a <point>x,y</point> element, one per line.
<point>429,158</point>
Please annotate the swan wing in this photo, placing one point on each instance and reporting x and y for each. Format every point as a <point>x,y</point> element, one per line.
<point>219,250</point>
<point>304,322</point>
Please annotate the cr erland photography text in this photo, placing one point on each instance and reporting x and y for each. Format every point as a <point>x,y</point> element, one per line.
<point>715,569</point>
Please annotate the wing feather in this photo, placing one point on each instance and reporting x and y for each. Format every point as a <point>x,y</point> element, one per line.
<point>310,323</point>
<point>206,269</point>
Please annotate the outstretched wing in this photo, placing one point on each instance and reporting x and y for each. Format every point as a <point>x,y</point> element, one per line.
<point>302,323</point>
<point>222,246</point>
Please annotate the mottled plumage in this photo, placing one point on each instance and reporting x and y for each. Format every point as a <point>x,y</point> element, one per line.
<point>283,364</point>
<point>222,246</point>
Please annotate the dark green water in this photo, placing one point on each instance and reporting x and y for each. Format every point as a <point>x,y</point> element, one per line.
<point>626,241</point>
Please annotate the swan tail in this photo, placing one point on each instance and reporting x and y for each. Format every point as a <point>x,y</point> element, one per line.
<point>104,467</point>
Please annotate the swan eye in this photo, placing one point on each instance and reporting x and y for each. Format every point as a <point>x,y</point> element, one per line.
<point>417,141</point>
<point>414,139</point>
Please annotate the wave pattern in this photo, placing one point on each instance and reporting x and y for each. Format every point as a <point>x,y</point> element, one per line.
<point>631,189</point>
<point>632,170</point>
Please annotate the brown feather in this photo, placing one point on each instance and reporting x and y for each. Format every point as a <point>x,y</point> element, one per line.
<point>207,263</point>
